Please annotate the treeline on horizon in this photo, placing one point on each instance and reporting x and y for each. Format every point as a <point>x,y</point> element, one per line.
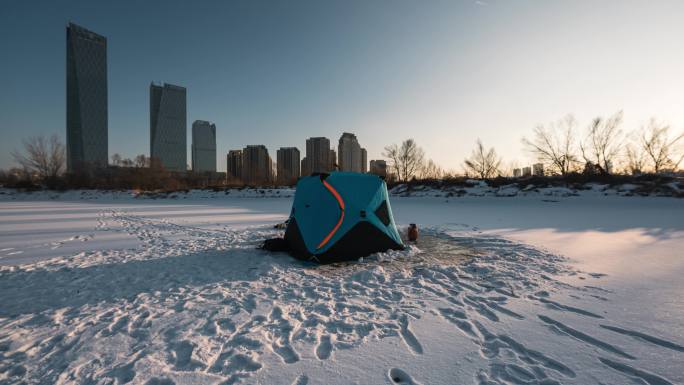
<point>601,152</point>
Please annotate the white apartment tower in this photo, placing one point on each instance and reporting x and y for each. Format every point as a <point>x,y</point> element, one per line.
<point>350,154</point>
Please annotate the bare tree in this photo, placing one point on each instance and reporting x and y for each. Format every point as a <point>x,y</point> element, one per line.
<point>660,150</point>
<point>636,159</point>
<point>406,160</point>
<point>555,144</point>
<point>603,142</point>
<point>116,159</point>
<point>431,170</point>
<point>142,161</point>
<point>483,163</point>
<point>43,156</point>
<point>127,163</point>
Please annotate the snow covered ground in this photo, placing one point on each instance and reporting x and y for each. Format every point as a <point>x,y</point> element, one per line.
<point>108,288</point>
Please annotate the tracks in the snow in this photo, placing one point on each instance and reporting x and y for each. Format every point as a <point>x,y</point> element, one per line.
<point>204,302</point>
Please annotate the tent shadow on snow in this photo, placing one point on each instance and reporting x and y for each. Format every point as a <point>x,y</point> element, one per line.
<point>41,289</point>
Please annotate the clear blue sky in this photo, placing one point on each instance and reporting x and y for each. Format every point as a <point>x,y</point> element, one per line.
<point>275,73</point>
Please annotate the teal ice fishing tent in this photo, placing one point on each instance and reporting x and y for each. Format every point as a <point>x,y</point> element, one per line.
<point>341,216</point>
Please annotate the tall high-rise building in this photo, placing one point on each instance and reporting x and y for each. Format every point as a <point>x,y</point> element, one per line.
<point>364,160</point>
<point>288,165</point>
<point>318,155</point>
<point>168,126</point>
<point>256,165</point>
<point>86,98</point>
<point>234,166</point>
<point>349,153</point>
<point>378,167</point>
<point>203,146</point>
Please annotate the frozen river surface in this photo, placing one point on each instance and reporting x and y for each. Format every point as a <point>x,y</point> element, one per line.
<point>113,290</point>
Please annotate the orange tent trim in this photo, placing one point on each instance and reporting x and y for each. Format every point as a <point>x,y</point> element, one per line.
<point>339,222</point>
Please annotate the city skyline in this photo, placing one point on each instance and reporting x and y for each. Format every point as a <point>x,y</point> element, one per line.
<point>445,81</point>
<point>87,70</point>
<point>167,115</point>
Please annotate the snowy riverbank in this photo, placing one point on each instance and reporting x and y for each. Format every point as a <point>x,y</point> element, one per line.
<point>110,288</point>
<point>547,188</point>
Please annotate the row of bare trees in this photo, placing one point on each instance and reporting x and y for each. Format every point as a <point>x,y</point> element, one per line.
<point>42,162</point>
<point>139,161</point>
<point>606,147</point>
<point>603,149</point>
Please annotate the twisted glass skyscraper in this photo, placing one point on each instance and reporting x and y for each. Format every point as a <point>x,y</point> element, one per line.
<point>86,98</point>
<point>168,126</point>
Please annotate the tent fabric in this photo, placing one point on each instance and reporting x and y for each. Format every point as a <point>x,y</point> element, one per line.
<point>341,216</point>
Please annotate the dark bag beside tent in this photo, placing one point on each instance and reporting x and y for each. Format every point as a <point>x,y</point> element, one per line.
<point>341,216</point>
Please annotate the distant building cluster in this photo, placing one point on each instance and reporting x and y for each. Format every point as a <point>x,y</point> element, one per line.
<point>243,166</point>
<point>537,169</point>
<point>87,130</point>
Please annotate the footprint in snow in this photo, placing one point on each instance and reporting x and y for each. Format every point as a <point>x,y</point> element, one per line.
<point>645,337</point>
<point>407,335</point>
<point>636,374</point>
<point>302,379</point>
<point>398,376</point>
<point>159,381</point>
<point>324,348</point>
<point>286,353</point>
